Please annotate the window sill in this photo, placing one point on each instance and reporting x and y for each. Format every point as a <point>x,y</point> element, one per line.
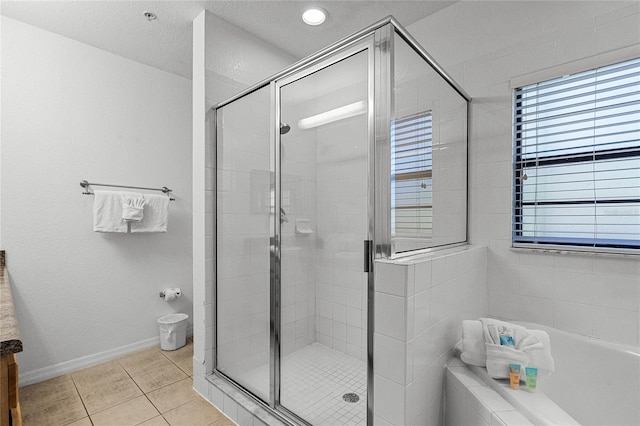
<point>576,251</point>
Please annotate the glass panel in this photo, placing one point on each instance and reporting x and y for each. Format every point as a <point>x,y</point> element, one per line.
<point>428,156</point>
<point>244,195</point>
<point>324,158</point>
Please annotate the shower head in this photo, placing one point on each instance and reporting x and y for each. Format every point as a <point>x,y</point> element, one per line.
<point>284,128</point>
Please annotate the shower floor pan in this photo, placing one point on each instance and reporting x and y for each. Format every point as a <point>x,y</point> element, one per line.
<point>315,380</point>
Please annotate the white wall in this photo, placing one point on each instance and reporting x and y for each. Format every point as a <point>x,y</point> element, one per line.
<point>485,45</point>
<point>72,112</point>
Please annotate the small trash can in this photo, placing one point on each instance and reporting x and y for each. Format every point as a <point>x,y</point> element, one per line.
<point>173,331</point>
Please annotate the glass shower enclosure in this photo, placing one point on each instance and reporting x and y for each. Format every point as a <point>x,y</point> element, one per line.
<point>355,153</point>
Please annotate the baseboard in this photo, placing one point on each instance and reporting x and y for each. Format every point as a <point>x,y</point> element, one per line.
<point>45,373</point>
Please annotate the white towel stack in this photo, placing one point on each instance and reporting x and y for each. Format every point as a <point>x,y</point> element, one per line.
<point>116,211</point>
<point>481,346</point>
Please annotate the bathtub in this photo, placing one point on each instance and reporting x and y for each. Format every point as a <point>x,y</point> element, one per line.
<point>595,383</point>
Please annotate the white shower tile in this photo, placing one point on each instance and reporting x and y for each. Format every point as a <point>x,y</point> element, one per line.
<point>538,282</point>
<point>618,292</point>
<point>537,310</point>
<point>485,401</point>
<point>390,402</point>
<point>410,312</point>
<point>616,325</point>
<point>390,315</point>
<point>439,272</point>
<point>509,418</point>
<point>422,311</point>
<point>504,305</point>
<point>390,358</point>
<point>610,266</point>
<point>422,276</point>
<point>574,286</point>
<point>417,397</point>
<point>340,313</point>
<point>391,278</point>
<point>573,317</point>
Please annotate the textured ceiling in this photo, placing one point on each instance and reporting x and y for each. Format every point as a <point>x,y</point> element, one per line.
<point>120,27</point>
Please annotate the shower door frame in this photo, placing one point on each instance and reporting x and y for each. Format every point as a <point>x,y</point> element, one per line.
<point>380,109</point>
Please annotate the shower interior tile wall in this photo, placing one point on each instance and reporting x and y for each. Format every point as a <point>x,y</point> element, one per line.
<point>299,263</point>
<point>323,183</point>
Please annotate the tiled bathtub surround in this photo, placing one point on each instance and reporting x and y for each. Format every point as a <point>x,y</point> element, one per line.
<point>419,303</point>
<point>469,401</point>
<point>598,296</point>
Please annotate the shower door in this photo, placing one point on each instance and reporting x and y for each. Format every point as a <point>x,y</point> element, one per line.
<point>322,194</point>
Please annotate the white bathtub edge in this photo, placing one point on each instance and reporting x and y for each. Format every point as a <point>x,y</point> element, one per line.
<point>497,404</point>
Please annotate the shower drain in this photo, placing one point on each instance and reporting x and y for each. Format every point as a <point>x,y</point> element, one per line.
<point>351,397</point>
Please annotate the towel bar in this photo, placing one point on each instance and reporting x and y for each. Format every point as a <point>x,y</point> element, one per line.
<point>85,185</point>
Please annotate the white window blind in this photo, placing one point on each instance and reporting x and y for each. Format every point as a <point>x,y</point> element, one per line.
<point>577,160</point>
<point>411,170</point>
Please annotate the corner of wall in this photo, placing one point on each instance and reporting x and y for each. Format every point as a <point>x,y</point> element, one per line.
<point>199,144</point>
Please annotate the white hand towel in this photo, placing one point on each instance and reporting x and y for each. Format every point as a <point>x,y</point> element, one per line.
<point>473,348</point>
<point>156,215</point>
<point>107,212</point>
<point>132,206</point>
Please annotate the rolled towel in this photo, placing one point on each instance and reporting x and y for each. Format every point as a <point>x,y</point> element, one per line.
<point>473,343</point>
<point>540,356</point>
<point>132,206</point>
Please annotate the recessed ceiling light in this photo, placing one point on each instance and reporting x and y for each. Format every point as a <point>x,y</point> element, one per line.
<point>150,16</point>
<point>314,16</point>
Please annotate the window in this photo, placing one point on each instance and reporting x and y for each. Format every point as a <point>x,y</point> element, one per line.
<point>577,160</point>
<point>411,170</point>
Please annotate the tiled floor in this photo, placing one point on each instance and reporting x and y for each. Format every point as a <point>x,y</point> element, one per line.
<point>314,380</point>
<point>151,388</point>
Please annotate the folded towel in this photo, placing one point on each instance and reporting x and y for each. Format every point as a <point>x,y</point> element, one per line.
<point>532,347</point>
<point>473,348</point>
<point>156,214</point>
<point>132,206</point>
<point>107,212</point>
<point>500,356</point>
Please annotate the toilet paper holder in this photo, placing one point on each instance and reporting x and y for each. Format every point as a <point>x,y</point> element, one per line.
<point>176,292</point>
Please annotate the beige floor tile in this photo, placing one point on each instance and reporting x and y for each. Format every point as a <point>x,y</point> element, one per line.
<point>186,365</point>
<point>110,394</point>
<point>132,412</point>
<point>150,380</point>
<point>195,413</point>
<point>65,411</point>
<point>141,362</point>
<point>172,396</point>
<point>45,394</point>
<point>224,421</point>
<point>156,421</point>
<point>98,375</point>
<point>81,422</point>
<point>179,354</point>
